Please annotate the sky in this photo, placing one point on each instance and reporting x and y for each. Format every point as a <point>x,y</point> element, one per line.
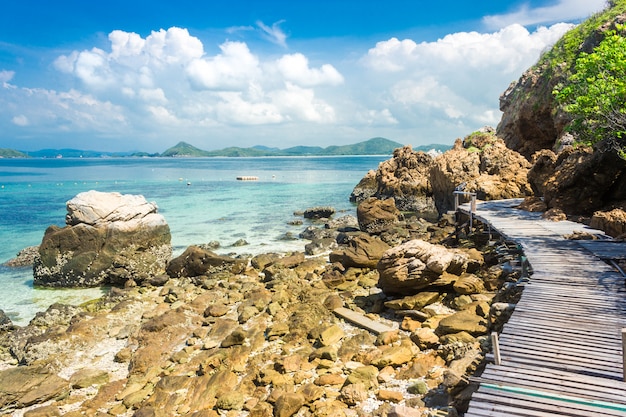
<point>140,75</point>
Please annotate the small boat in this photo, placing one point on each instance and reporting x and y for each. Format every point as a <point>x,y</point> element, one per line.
<point>247,178</point>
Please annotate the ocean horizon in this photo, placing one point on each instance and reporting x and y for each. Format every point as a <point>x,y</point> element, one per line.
<point>200,198</point>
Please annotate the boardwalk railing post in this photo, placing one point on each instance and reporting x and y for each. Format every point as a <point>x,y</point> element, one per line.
<point>495,344</point>
<point>456,201</point>
<point>623,354</point>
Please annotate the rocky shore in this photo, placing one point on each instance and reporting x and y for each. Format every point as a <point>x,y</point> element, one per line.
<point>390,321</point>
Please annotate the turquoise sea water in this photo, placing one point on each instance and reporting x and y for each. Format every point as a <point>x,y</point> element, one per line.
<point>200,198</point>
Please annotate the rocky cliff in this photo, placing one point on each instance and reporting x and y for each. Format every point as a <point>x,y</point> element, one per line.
<point>532,119</point>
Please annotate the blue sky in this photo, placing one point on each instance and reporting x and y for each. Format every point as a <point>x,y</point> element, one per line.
<point>144,75</point>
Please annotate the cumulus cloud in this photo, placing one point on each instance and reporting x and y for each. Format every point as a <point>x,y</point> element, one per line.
<point>168,77</point>
<point>457,79</point>
<point>562,10</point>
<point>233,69</point>
<point>295,68</point>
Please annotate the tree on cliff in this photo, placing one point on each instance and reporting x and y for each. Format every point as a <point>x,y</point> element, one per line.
<point>595,94</point>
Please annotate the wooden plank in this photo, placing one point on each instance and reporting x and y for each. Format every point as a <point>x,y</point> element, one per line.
<point>362,321</point>
<point>550,382</point>
<point>563,338</point>
<point>539,401</point>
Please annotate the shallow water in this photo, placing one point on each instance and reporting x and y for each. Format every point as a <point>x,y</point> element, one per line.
<point>200,198</point>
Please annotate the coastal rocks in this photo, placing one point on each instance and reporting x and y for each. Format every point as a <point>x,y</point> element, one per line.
<point>417,264</point>
<point>196,261</point>
<point>613,222</point>
<point>25,257</point>
<point>27,385</point>
<point>361,251</point>
<point>481,164</point>
<point>109,238</point>
<point>579,180</point>
<point>420,183</point>
<point>319,212</point>
<point>404,177</point>
<point>376,215</point>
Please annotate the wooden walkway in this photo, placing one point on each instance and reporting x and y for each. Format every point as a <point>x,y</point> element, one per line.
<point>561,350</point>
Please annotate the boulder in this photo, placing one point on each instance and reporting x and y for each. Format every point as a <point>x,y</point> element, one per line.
<point>25,257</point>
<point>319,212</point>
<point>376,215</point>
<point>27,385</point>
<point>404,177</point>
<point>109,238</point>
<point>613,222</point>
<point>195,261</point>
<point>463,321</point>
<point>361,251</point>
<point>408,268</point>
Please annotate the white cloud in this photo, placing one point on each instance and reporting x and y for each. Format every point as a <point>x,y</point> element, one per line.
<point>167,84</point>
<point>295,68</point>
<point>456,80</point>
<point>273,33</point>
<point>563,10</point>
<point>20,120</point>
<point>233,108</point>
<point>233,69</point>
<point>300,104</point>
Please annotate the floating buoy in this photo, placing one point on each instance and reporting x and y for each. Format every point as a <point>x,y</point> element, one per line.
<point>247,178</point>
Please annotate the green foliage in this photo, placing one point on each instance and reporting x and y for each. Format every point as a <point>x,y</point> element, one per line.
<point>595,94</point>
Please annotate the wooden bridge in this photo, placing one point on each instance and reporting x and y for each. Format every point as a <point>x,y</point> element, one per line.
<point>561,350</point>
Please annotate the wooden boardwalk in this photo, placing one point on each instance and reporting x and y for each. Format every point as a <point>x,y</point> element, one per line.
<point>561,350</point>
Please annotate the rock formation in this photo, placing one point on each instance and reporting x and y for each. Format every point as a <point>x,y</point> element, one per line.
<point>109,238</point>
<point>579,180</point>
<point>404,177</point>
<point>481,164</point>
<point>532,120</point>
<point>420,183</point>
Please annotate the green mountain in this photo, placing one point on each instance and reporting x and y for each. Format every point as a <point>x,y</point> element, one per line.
<point>374,146</point>
<point>183,149</point>
<point>11,153</point>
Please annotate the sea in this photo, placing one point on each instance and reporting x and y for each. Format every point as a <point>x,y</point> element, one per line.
<point>200,198</point>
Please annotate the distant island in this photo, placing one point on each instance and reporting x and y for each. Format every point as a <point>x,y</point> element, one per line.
<point>374,146</point>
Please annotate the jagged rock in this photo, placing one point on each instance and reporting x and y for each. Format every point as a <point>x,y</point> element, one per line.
<point>109,238</point>
<point>579,180</point>
<point>376,215</point>
<point>362,251</point>
<point>5,322</point>
<point>288,404</point>
<point>319,212</point>
<point>195,261</point>
<point>414,302</point>
<point>404,177</point>
<point>343,224</point>
<point>613,222</point>
<point>492,171</point>
<point>469,284</point>
<point>27,385</point>
<point>415,265</point>
<point>463,321</point>
<point>25,257</point>
<point>532,204</point>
